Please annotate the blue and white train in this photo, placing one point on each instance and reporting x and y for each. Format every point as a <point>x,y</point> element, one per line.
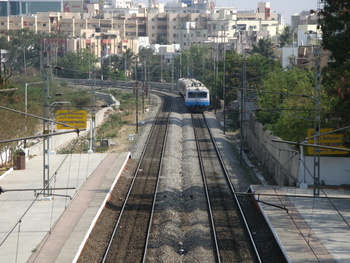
<point>196,95</point>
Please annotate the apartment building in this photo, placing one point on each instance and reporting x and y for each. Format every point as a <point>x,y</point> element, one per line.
<point>309,36</point>
<point>104,36</point>
<point>118,28</point>
<point>184,28</point>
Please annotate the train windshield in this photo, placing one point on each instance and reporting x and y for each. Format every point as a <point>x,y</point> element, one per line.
<point>197,94</point>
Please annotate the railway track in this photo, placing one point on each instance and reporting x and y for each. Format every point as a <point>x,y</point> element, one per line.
<point>231,234</point>
<point>180,229</point>
<point>128,242</point>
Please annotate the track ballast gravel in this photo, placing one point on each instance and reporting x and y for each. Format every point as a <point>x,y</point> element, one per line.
<point>180,230</point>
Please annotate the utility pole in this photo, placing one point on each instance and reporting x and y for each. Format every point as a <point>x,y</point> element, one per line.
<point>46,141</point>
<point>223,87</point>
<point>317,111</point>
<point>125,67</point>
<point>172,72</point>
<point>244,76</point>
<point>137,107</point>
<point>180,73</point>
<point>224,77</point>
<point>317,120</point>
<point>93,116</point>
<point>161,63</point>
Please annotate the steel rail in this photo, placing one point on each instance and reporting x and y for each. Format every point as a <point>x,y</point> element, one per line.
<point>157,184</point>
<point>227,177</point>
<point>130,188</point>
<point>210,211</point>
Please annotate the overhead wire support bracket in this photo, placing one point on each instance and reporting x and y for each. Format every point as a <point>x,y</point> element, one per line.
<point>2,190</point>
<point>42,136</point>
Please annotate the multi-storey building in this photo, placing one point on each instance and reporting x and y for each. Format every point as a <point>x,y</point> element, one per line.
<point>305,26</point>
<point>121,25</point>
<point>104,36</point>
<point>184,29</point>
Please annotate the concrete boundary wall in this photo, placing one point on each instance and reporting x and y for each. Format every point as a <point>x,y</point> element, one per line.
<point>287,166</point>
<point>278,159</point>
<point>333,171</point>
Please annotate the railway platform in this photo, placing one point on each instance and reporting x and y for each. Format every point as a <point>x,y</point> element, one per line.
<point>36,228</point>
<point>54,230</point>
<point>309,229</point>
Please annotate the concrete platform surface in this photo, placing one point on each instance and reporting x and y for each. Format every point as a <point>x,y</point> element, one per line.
<point>309,229</point>
<point>38,229</point>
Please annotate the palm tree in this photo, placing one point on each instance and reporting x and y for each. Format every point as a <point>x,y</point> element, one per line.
<point>161,39</point>
<point>128,61</point>
<point>286,37</point>
<point>263,47</point>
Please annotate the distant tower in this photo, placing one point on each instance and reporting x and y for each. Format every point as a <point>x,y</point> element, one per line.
<point>264,7</point>
<point>211,8</point>
<point>152,3</point>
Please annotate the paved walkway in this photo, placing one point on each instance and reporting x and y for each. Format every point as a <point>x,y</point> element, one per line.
<point>35,229</point>
<point>309,229</point>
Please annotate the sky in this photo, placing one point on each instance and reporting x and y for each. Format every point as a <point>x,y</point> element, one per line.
<point>286,8</point>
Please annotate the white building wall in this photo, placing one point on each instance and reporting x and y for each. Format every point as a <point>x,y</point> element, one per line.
<point>333,170</point>
<point>287,53</point>
<point>304,36</point>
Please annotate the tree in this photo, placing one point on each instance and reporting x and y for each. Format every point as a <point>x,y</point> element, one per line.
<point>334,22</point>
<point>286,37</point>
<point>152,64</point>
<point>114,67</point>
<point>76,64</point>
<point>335,26</point>
<point>336,82</point>
<point>129,59</point>
<point>285,98</point>
<point>161,39</point>
<point>23,48</point>
<point>263,47</point>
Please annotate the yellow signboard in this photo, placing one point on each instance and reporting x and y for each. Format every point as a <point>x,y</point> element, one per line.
<point>330,140</point>
<point>76,119</point>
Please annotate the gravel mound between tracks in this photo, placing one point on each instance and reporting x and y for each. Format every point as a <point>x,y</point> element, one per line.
<point>180,231</point>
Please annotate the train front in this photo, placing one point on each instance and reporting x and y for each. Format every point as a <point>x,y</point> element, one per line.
<point>197,99</point>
